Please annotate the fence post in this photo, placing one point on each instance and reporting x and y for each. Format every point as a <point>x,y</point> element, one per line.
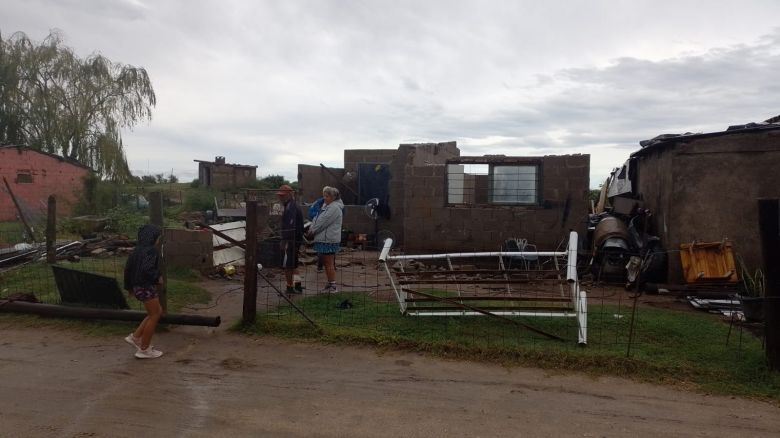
<point>769,226</point>
<point>250,264</point>
<point>156,218</point>
<point>51,230</point>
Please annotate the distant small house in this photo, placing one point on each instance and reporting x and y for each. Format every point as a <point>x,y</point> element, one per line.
<point>705,187</point>
<point>33,175</point>
<point>437,200</point>
<point>220,175</point>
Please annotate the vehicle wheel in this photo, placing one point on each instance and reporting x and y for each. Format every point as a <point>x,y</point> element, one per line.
<point>657,261</point>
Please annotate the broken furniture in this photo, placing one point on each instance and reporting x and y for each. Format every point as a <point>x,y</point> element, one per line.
<point>708,262</point>
<point>548,301</point>
<point>85,288</point>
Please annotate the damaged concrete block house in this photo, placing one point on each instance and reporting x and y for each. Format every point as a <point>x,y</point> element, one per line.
<point>430,198</point>
<point>694,196</point>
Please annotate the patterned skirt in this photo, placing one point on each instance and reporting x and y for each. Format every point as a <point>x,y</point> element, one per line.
<point>326,248</point>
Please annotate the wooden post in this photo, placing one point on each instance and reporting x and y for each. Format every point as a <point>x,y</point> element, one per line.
<point>769,226</point>
<point>51,230</point>
<point>156,218</point>
<point>250,264</point>
<point>19,210</point>
<point>111,314</point>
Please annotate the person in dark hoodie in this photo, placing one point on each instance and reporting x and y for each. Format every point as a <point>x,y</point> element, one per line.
<point>142,277</point>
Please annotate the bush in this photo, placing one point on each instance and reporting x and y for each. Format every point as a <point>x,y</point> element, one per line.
<point>270,182</point>
<point>199,200</point>
<point>195,183</point>
<point>125,221</point>
<point>98,196</point>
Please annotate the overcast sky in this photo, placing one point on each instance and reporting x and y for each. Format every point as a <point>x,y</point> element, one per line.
<point>277,83</point>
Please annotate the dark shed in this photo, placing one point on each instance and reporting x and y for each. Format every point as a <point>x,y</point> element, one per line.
<point>705,187</point>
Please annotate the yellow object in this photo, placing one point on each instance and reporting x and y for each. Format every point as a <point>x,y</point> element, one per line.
<point>708,262</point>
<point>229,270</point>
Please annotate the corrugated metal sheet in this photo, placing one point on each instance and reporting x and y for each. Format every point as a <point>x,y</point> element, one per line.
<point>233,255</point>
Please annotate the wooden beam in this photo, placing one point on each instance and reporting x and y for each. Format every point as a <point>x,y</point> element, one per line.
<point>19,210</point>
<point>51,230</point>
<point>769,227</point>
<point>107,314</point>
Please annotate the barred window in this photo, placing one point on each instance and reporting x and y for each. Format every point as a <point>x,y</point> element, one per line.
<point>514,185</point>
<point>504,183</point>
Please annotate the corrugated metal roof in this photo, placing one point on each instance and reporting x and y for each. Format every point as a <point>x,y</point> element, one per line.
<point>664,140</point>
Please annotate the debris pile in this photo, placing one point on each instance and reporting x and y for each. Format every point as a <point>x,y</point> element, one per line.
<point>102,246</point>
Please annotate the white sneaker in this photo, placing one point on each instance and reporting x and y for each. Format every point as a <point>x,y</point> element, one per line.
<point>149,353</point>
<point>132,340</point>
<point>333,289</point>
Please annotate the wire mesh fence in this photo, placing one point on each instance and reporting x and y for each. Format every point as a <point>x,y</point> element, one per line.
<point>510,308</point>
<point>442,300</point>
<point>24,270</point>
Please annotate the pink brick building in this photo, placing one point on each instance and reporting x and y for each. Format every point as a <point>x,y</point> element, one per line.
<point>34,175</point>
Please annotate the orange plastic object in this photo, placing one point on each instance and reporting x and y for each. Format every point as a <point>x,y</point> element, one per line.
<point>708,262</point>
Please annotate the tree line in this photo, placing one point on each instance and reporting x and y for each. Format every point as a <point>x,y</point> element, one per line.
<point>54,101</point>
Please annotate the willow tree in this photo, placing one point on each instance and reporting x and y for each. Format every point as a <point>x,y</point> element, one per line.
<point>52,100</point>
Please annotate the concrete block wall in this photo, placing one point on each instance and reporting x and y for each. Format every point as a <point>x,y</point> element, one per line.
<point>422,221</point>
<point>224,176</point>
<point>357,221</point>
<point>313,178</point>
<point>432,226</point>
<point>707,189</point>
<point>353,157</point>
<point>189,249</point>
<point>423,160</point>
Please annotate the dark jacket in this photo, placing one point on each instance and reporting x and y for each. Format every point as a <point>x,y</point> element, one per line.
<point>292,222</point>
<point>143,266</point>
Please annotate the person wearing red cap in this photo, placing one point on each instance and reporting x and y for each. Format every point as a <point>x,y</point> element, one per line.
<point>292,237</point>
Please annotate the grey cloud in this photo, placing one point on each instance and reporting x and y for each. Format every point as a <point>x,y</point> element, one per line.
<point>308,79</point>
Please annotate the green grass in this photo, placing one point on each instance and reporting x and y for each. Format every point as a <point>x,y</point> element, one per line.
<point>11,233</point>
<point>673,347</point>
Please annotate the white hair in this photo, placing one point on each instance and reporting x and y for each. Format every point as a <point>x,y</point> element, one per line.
<point>332,191</point>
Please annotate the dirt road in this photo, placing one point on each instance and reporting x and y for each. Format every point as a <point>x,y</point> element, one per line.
<point>212,384</point>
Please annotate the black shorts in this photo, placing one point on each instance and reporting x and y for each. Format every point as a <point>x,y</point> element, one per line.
<point>288,252</point>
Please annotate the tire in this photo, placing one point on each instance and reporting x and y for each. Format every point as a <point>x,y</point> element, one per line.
<point>657,263</point>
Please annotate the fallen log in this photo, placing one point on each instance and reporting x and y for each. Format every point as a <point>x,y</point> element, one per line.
<point>109,314</point>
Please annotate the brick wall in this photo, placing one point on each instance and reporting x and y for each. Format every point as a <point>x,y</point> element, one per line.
<point>50,176</point>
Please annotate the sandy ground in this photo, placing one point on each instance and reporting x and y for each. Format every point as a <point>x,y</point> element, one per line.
<point>214,383</point>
